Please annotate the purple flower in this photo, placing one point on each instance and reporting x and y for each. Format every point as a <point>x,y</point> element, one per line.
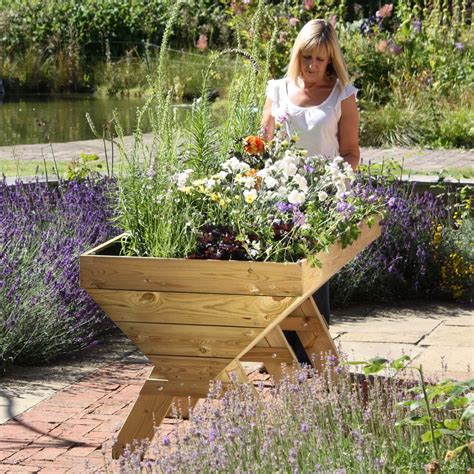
<point>459,46</point>
<point>341,206</point>
<point>283,207</point>
<point>166,440</point>
<point>304,427</point>
<point>417,26</point>
<point>308,168</point>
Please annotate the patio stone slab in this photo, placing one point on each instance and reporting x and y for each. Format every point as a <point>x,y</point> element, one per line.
<point>452,336</point>
<point>447,362</point>
<point>404,330</point>
<point>464,319</point>
<point>363,351</point>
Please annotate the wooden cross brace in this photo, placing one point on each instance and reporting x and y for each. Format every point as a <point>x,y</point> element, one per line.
<point>196,320</point>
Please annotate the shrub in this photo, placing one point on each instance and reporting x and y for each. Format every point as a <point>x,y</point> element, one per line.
<point>422,251</point>
<point>310,422</point>
<point>43,312</point>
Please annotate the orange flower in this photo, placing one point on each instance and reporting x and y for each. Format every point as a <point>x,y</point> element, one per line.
<point>254,145</point>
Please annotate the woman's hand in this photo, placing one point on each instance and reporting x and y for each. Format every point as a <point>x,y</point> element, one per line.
<point>268,121</point>
<point>348,134</point>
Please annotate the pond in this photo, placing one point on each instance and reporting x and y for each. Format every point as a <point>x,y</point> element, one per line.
<point>62,118</point>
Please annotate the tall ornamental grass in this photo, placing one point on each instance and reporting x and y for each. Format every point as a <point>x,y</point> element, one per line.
<point>44,229</point>
<point>313,423</point>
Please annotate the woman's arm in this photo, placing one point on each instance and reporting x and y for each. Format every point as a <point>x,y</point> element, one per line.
<point>348,133</point>
<point>268,121</point>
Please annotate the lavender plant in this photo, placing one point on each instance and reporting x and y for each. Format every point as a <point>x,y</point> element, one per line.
<point>411,258</point>
<point>43,312</point>
<point>309,422</point>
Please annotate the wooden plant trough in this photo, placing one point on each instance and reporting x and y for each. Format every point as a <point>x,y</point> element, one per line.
<point>196,320</point>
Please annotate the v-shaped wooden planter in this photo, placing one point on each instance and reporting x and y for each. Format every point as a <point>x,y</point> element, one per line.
<point>196,320</point>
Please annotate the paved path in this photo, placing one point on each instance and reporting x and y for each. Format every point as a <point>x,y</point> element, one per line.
<point>64,431</point>
<point>420,160</point>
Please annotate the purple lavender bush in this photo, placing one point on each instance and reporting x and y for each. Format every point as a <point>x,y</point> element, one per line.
<point>43,312</point>
<point>307,423</point>
<point>406,261</point>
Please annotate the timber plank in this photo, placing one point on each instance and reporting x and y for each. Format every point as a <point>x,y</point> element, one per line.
<point>189,340</point>
<point>336,258</point>
<point>149,409</point>
<point>191,276</point>
<point>190,308</point>
<point>187,368</point>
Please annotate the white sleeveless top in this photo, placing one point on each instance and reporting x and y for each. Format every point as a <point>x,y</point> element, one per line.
<point>317,126</point>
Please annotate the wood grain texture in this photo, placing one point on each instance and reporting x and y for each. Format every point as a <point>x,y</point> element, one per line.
<point>189,308</point>
<point>186,388</point>
<point>318,342</point>
<point>262,354</point>
<point>148,409</point>
<point>191,276</point>
<point>188,340</point>
<point>187,368</point>
<point>336,258</point>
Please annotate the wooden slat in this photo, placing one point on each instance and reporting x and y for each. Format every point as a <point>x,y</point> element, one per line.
<point>188,388</point>
<point>187,368</point>
<point>149,409</point>
<point>187,340</point>
<point>297,323</point>
<point>191,276</point>
<point>262,354</point>
<point>190,308</point>
<point>336,258</point>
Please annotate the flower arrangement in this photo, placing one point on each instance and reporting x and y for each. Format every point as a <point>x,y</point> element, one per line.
<point>271,202</point>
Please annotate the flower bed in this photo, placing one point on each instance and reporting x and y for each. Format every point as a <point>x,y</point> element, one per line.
<point>312,422</point>
<point>43,311</point>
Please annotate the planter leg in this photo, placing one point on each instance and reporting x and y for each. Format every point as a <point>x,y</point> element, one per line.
<point>318,339</point>
<point>277,340</point>
<point>148,412</point>
<point>184,404</point>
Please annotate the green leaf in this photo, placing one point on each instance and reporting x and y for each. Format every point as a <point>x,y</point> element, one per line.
<point>452,424</point>
<point>468,413</point>
<point>400,363</point>
<point>417,404</point>
<point>378,360</point>
<point>427,437</point>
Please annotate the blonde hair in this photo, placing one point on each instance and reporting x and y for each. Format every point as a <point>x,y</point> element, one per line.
<point>320,35</point>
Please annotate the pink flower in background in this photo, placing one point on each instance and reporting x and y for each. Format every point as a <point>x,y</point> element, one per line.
<point>384,11</point>
<point>202,42</point>
<point>308,4</point>
<point>294,21</point>
<point>382,46</point>
<point>281,37</point>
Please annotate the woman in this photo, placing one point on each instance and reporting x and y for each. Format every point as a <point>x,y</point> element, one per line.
<point>315,101</point>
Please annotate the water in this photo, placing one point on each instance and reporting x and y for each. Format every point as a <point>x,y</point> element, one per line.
<point>62,118</point>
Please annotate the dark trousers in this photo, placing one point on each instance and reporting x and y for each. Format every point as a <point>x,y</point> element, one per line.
<point>322,301</point>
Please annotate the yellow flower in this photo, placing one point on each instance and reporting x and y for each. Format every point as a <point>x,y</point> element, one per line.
<point>450,455</point>
<point>250,196</point>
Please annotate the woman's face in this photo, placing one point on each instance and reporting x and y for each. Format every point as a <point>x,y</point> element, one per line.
<point>314,65</point>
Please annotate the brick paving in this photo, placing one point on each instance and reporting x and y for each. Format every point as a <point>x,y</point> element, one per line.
<point>72,430</point>
<point>65,432</point>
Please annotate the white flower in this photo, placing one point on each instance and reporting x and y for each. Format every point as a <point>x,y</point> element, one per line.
<point>338,159</point>
<point>220,176</point>
<point>296,197</point>
<point>270,182</point>
<point>246,181</point>
<point>250,196</point>
<point>209,183</point>
<point>182,178</point>
<point>322,195</point>
<point>235,165</point>
<point>301,182</point>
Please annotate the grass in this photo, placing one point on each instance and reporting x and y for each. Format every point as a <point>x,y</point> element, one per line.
<point>17,168</point>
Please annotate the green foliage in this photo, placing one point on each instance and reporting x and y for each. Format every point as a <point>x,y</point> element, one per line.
<point>443,410</point>
<point>80,168</point>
